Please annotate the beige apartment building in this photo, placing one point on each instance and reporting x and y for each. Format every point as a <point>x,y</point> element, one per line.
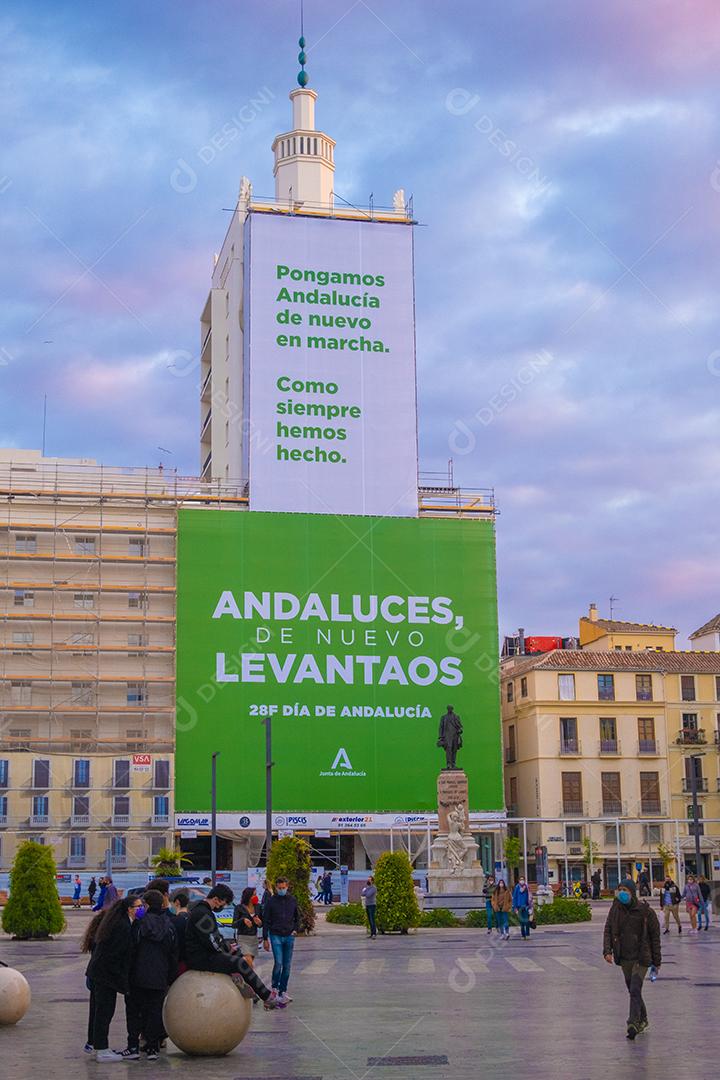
<point>602,742</point>
<point>87,655</point>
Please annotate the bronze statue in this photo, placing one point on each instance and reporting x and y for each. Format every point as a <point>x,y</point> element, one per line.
<point>450,736</point>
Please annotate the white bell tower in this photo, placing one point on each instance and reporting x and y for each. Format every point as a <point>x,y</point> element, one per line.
<point>304,157</point>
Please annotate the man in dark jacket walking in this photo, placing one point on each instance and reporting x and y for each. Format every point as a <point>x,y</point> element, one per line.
<point>152,968</point>
<point>206,949</point>
<point>596,880</point>
<point>281,922</point>
<point>632,940</point>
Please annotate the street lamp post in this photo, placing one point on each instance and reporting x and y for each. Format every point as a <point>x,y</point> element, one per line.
<point>694,758</point>
<point>268,787</point>
<point>213,819</point>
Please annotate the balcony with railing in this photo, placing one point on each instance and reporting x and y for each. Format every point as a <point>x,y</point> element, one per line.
<point>610,746</point>
<point>652,807</point>
<point>3,821</point>
<point>649,747</point>
<point>716,735</point>
<point>691,737</point>
<point>39,821</point>
<point>570,747</point>
<point>160,821</point>
<point>79,821</point>
<point>510,755</point>
<point>613,808</point>
<point>573,808</point>
<point>121,821</point>
<point>118,860</point>
<point>701,785</point>
<point>76,860</point>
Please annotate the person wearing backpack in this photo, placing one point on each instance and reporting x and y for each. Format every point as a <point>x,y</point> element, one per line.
<point>632,941</point>
<point>153,967</point>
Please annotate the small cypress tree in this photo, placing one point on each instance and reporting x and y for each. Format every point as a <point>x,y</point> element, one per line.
<point>291,858</point>
<point>397,907</point>
<point>33,909</point>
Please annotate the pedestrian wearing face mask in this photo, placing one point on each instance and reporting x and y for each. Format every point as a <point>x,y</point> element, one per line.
<point>523,906</point>
<point>246,923</point>
<point>281,922</point>
<point>206,949</point>
<point>369,895</point>
<point>632,941</point>
<point>152,968</point>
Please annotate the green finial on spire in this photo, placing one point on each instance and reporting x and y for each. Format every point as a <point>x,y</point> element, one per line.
<point>303,76</point>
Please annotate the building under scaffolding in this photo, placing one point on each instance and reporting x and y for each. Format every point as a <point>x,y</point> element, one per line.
<point>87,651</point>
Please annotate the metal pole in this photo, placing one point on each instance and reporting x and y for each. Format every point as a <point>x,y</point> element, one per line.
<point>213,820</point>
<point>617,838</point>
<point>268,788</point>
<point>525,860</point>
<point>678,858</point>
<point>567,864</point>
<point>694,758</point>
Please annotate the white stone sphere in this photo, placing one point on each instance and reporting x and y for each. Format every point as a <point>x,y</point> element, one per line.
<point>14,995</point>
<point>205,1014</point>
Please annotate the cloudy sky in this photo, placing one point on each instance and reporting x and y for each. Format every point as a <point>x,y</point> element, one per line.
<point>564,160</point>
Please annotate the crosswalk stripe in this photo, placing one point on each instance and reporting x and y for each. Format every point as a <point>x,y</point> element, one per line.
<point>523,963</point>
<point>319,966</point>
<point>573,962</point>
<point>421,965</point>
<point>472,963</point>
<point>370,967</point>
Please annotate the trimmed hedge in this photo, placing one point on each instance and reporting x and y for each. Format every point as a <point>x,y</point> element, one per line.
<point>439,917</point>
<point>561,911</point>
<point>346,915</point>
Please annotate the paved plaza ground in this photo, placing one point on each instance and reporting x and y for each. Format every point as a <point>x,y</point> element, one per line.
<point>438,1003</point>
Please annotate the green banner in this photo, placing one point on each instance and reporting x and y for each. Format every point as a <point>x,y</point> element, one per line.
<point>353,634</point>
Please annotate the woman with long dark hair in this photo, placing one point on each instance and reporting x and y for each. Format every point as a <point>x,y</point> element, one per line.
<point>246,922</point>
<point>109,941</point>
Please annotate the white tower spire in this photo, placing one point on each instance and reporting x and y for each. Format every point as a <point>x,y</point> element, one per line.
<point>304,157</point>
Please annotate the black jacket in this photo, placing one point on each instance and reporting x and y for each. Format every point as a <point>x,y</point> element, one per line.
<point>704,889</point>
<point>674,892</point>
<point>280,915</point>
<point>155,952</point>
<point>202,937</point>
<point>241,913</point>
<point>632,932</point>
<point>180,926</point>
<point>110,960</point>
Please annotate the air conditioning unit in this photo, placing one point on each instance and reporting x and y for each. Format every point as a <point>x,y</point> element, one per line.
<point>575,851</point>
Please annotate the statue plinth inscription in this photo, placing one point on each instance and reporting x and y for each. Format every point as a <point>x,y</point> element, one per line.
<point>452,791</point>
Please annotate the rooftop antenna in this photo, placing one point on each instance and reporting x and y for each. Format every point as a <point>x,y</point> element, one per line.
<point>44,423</point>
<point>303,77</point>
<point>613,601</point>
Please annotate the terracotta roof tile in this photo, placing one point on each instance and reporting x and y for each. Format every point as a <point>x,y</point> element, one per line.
<point>708,628</point>
<point>679,663</point>
<point>618,627</point>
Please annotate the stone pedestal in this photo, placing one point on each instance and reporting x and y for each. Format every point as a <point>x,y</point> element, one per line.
<point>452,790</point>
<point>454,865</point>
